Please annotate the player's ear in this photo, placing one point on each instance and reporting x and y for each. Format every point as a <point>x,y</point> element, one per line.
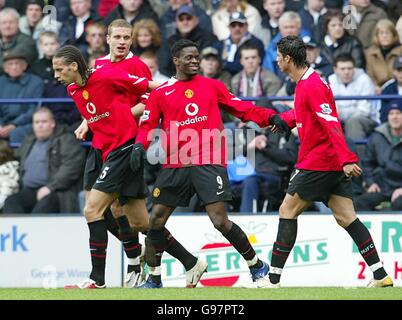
<point>175,60</point>
<point>74,65</point>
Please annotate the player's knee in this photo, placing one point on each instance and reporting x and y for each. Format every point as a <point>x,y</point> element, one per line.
<point>344,219</point>
<point>140,226</point>
<point>91,213</point>
<point>221,223</point>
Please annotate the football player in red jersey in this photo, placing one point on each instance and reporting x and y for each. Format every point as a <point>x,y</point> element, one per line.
<point>189,104</point>
<point>324,167</point>
<point>119,39</point>
<point>102,97</point>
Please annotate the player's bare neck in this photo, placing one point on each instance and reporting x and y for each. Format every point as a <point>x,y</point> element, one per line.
<point>184,77</point>
<point>298,73</point>
<point>114,58</point>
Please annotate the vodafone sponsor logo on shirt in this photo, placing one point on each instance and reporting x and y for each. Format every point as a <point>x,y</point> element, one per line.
<point>92,110</point>
<point>191,109</point>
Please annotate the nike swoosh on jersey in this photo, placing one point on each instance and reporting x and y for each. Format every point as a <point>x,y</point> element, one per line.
<point>169,92</point>
<point>219,192</point>
<point>97,181</point>
<point>73,92</point>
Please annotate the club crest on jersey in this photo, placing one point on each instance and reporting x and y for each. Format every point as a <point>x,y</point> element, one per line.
<point>85,94</point>
<point>189,93</point>
<point>325,108</point>
<point>156,192</point>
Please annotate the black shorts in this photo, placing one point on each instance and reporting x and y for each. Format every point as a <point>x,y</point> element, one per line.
<point>93,166</point>
<point>115,174</point>
<point>319,185</point>
<point>174,187</point>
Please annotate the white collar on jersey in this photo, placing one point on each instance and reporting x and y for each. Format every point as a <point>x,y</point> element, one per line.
<point>308,73</point>
<point>130,55</point>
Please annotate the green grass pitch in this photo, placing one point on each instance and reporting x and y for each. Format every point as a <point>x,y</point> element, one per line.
<point>217,293</point>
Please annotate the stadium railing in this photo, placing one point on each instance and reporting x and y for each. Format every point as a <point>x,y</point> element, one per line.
<point>44,101</point>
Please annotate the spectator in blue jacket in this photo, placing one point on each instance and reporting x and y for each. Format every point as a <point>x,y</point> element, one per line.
<point>289,25</point>
<point>168,20</point>
<point>382,166</point>
<point>239,37</point>
<point>16,118</point>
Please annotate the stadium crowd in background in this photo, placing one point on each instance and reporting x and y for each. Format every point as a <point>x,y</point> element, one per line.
<point>227,31</point>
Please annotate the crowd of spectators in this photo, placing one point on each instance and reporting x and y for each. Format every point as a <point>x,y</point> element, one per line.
<point>356,49</point>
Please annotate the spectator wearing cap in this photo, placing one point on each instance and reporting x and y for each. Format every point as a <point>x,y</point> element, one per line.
<point>382,167</point>
<point>221,18</point>
<point>253,80</point>
<point>311,16</point>
<point>338,41</point>
<point>364,19</point>
<point>381,55</point>
<point>359,117</point>
<point>187,28</point>
<point>318,61</point>
<point>11,38</point>
<point>393,86</point>
<point>132,12</point>
<point>211,67</point>
<point>33,23</point>
<point>168,20</point>
<point>16,119</point>
<point>289,25</point>
<point>239,36</point>
<point>269,26</point>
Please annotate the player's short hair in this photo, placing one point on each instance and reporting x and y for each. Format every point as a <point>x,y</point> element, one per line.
<point>344,57</point>
<point>295,48</point>
<point>118,23</point>
<point>72,54</point>
<point>180,45</point>
<point>49,34</point>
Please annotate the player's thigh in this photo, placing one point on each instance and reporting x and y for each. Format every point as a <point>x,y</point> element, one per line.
<point>173,187</point>
<point>292,206</point>
<point>96,204</point>
<point>137,214</point>
<point>343,209</point>
<point>211,183</point>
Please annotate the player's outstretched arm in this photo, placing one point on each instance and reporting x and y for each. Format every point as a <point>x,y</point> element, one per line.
<point>153,85</point>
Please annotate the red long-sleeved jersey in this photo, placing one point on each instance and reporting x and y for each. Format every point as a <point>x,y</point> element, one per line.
<point>322,143</point>
<point>191,120</point>
<point>104,102</point>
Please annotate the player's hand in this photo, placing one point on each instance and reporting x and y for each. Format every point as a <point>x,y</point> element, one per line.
<point>279,125</point>
<point>137,157</point>
<point>374,188</point>
<point>352,170</point>
<point>82,130</point>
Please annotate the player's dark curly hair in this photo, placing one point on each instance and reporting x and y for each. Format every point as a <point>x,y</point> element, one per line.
<point>180,45</point>
<point>295,48</point>
<point>71,54</point>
